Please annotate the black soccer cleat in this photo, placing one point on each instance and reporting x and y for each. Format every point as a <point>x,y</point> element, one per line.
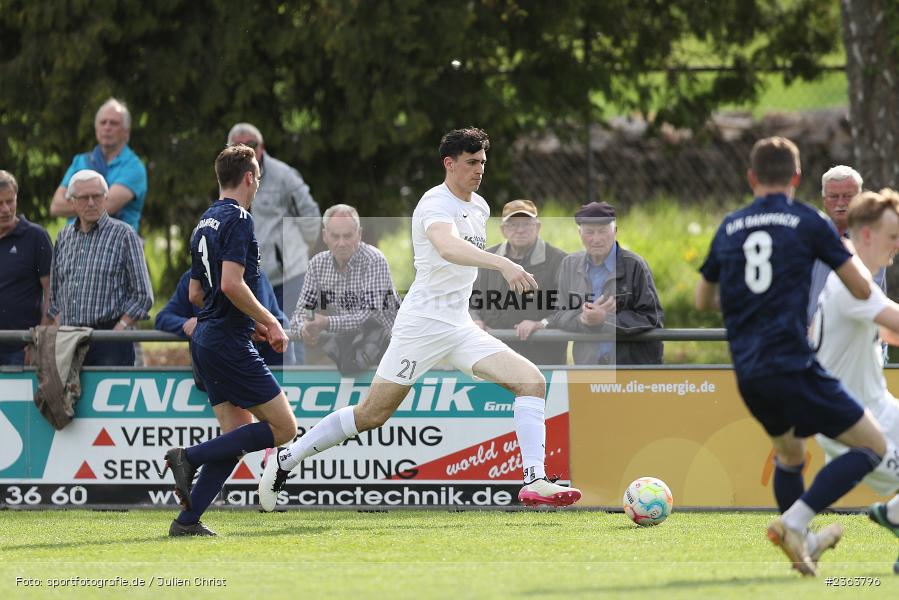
<point>183,472</point>
<point>176,529</point>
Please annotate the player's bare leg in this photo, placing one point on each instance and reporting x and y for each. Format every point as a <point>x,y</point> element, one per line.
<point>276,412</point>
<point>520,376</point>
<point>382,400</point>
<point>866,433</point>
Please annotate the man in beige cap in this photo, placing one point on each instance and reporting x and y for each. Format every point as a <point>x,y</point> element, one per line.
<point>494,305</point>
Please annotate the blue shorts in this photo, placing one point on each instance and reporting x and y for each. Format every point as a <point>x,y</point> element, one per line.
<point>809,401</point>
<point>241,377</point>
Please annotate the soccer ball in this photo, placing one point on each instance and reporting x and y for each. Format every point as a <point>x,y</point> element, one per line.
<point>647,501</point>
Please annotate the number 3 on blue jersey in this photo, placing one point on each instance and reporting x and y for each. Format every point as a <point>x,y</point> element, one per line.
<point>757,249</point>
<point>204,257</point>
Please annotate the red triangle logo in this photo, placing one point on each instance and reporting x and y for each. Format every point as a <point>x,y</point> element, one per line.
<point>85,472</point>
<point>243,472</point>
<point>103,439</point>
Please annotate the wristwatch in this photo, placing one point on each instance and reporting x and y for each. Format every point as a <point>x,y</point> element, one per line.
<point>545,323</point>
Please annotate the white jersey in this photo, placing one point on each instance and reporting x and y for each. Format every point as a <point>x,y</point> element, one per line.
<point>849,341</point>
<point>441,289</point>
<point>850,349</point>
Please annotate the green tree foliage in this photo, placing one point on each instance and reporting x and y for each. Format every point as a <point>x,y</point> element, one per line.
<point>356,94</point>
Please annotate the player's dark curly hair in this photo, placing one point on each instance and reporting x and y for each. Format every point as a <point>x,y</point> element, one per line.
<point>457,141</point>
<point>232,163</point>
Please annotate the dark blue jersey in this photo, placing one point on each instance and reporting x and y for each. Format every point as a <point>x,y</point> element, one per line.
<point>224,233</point>
<point>762,257</point>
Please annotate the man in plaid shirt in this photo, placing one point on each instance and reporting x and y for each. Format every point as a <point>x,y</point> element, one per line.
<point>346,284</point>
<point>99,276</point>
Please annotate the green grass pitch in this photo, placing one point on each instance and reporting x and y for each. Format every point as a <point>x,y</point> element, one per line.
<point>432,554</point>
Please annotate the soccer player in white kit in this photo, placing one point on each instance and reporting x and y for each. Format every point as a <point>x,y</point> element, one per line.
<point>848,335</point>
<point>433,324</point>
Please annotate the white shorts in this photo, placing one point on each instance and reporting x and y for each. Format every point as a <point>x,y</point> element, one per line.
<point>408,358</point>
<point>881,482</point>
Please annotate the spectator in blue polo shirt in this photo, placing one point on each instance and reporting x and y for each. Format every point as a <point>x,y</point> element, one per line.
<point>25,257</point>
<point>180,317</point>
<point>124,172</point>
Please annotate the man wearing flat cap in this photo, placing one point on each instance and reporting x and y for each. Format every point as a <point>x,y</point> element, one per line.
<point>494,306</point>
<point>607,288</point>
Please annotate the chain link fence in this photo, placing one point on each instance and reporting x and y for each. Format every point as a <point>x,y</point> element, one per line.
<point>627,162</point>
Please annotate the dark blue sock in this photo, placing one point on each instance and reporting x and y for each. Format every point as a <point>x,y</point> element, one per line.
<point>788,484</point>
<point>839,476</point>
<point>212,477</point>
<point>243,440</point>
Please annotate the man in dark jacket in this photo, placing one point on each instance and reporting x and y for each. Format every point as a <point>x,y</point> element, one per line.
<point>494,306</point>
<point>606,288</point>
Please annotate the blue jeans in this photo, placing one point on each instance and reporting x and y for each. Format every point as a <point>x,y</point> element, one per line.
<point>110,354</point>
<point>15,359</point>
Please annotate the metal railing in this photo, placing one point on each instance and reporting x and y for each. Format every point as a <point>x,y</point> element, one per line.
<point>506,335</point>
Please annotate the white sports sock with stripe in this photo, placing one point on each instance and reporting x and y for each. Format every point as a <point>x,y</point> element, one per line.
<point>530,427</point>
<point>330,431</point>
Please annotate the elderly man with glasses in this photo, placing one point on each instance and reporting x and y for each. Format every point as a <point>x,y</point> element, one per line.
<point>839,185</point>
<point>99,276</point>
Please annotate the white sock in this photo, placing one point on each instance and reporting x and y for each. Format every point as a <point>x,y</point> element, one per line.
<point>530,427</point>
<point>798,516</point>
<point>330,431</point>
<point>893,509</point>
<point>889,465</point>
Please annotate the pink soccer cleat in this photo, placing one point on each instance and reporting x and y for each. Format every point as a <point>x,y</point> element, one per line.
<point>543,492</point>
